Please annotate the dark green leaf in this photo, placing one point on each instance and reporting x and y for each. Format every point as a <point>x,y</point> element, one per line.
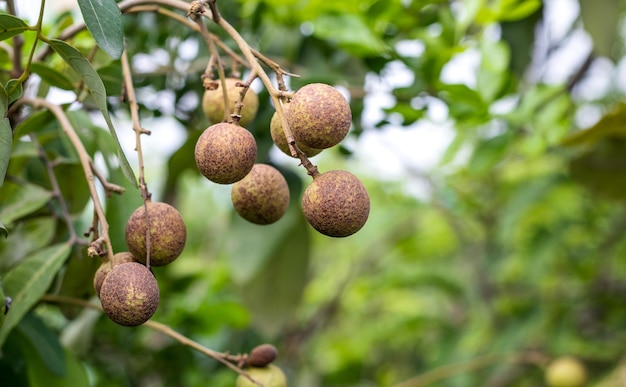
<point>52,76</point>
<point>611,125</point>
<point>14,89</point>
<point>29,280</point>
<point>603,168</point>
<point>43,342</point>
<point>20,200</point>
<point>274,290</point>
<point>6,136</point>
<point>11,26</point>
<point>3,306</point>
<point>91,78</point>
<point>104,20</point>
<point>33,123</point>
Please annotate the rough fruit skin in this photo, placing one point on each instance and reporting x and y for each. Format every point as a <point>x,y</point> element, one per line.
<point>566,372</point>
<point>320,116</point>
<point>129,294</point>
<point>213,102</point>
<point>269,376</point>
<point>105,268</point>
<point>278,136</point>
<point>336,203</point>
<point>225,153</point>
<point>262,197</point>
<point>168,233</point>
<point>262,355</point>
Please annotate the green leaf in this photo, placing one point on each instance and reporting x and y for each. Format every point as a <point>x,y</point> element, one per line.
<point>14,89</point>
<point>27,236</point>
<point>3,305</point>
<point>488,153</point>
<point>274,291</point>
<point>20,200</point>
<point>349,32</point>
<point>603,25</point>
<point>11,26</point>
<point>6,136</point>
<point>33,123</point>
<point>3,230</point>
<point>53,77</point>
<point>602,168</point>
<point>104,20</point>
<point>29,280</point>
<point>43,342</point>
<point>91,78</point>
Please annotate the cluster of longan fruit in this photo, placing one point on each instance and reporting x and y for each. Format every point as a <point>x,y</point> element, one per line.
<point>127,288</point>
<point>335,204</point>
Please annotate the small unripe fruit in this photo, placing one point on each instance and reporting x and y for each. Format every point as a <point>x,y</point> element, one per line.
<point>262,355</point>
<point>213,102</point>
<point>129,294</point>
<point>262,197</point>
<point>269,376</point>
<point>566,372</point>
<point>336,203</point>
<point>278,136</point>
<point>225,153</point>
<point>320,116</point>
<point>168,233</point>
<point>105,268</point>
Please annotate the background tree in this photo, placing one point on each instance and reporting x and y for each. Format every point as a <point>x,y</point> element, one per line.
<point>506,256</point>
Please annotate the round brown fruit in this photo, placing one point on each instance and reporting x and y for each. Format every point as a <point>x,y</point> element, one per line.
<point>336,203</point>
<point>213,102</point>
<point>225,153</point>
<point>262,197</point>
<point>269,376</point>
<point>129,294</point>
<point>105,268</point>
<point>566,371</point>
<point>278,136</point>
<point>320,116</point>
<point>168,233</point>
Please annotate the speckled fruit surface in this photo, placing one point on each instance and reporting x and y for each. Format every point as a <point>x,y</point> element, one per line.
<point>168,233</point>
<point>129,294</point>
<point>262,197</point>
<point>278,136</point>
<point>225,153</point>
<point>336,203</point>
<point>105,268</point>
<point>320,116</point>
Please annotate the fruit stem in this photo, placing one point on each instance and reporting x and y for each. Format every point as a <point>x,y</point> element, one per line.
<point>139,130</point>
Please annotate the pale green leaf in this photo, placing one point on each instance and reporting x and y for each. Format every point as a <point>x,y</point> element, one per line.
<point>29,280</point>
<point>74,58</point>
<point>104,20</point>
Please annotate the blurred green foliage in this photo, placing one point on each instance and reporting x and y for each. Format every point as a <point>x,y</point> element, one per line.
<point>513,256</point>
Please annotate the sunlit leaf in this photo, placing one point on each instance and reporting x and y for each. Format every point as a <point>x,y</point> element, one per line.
<point>611,125</point>
<point>11,26</point>
<point>29,280</point>
<point>104,20</point>
<point>74,58</point>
